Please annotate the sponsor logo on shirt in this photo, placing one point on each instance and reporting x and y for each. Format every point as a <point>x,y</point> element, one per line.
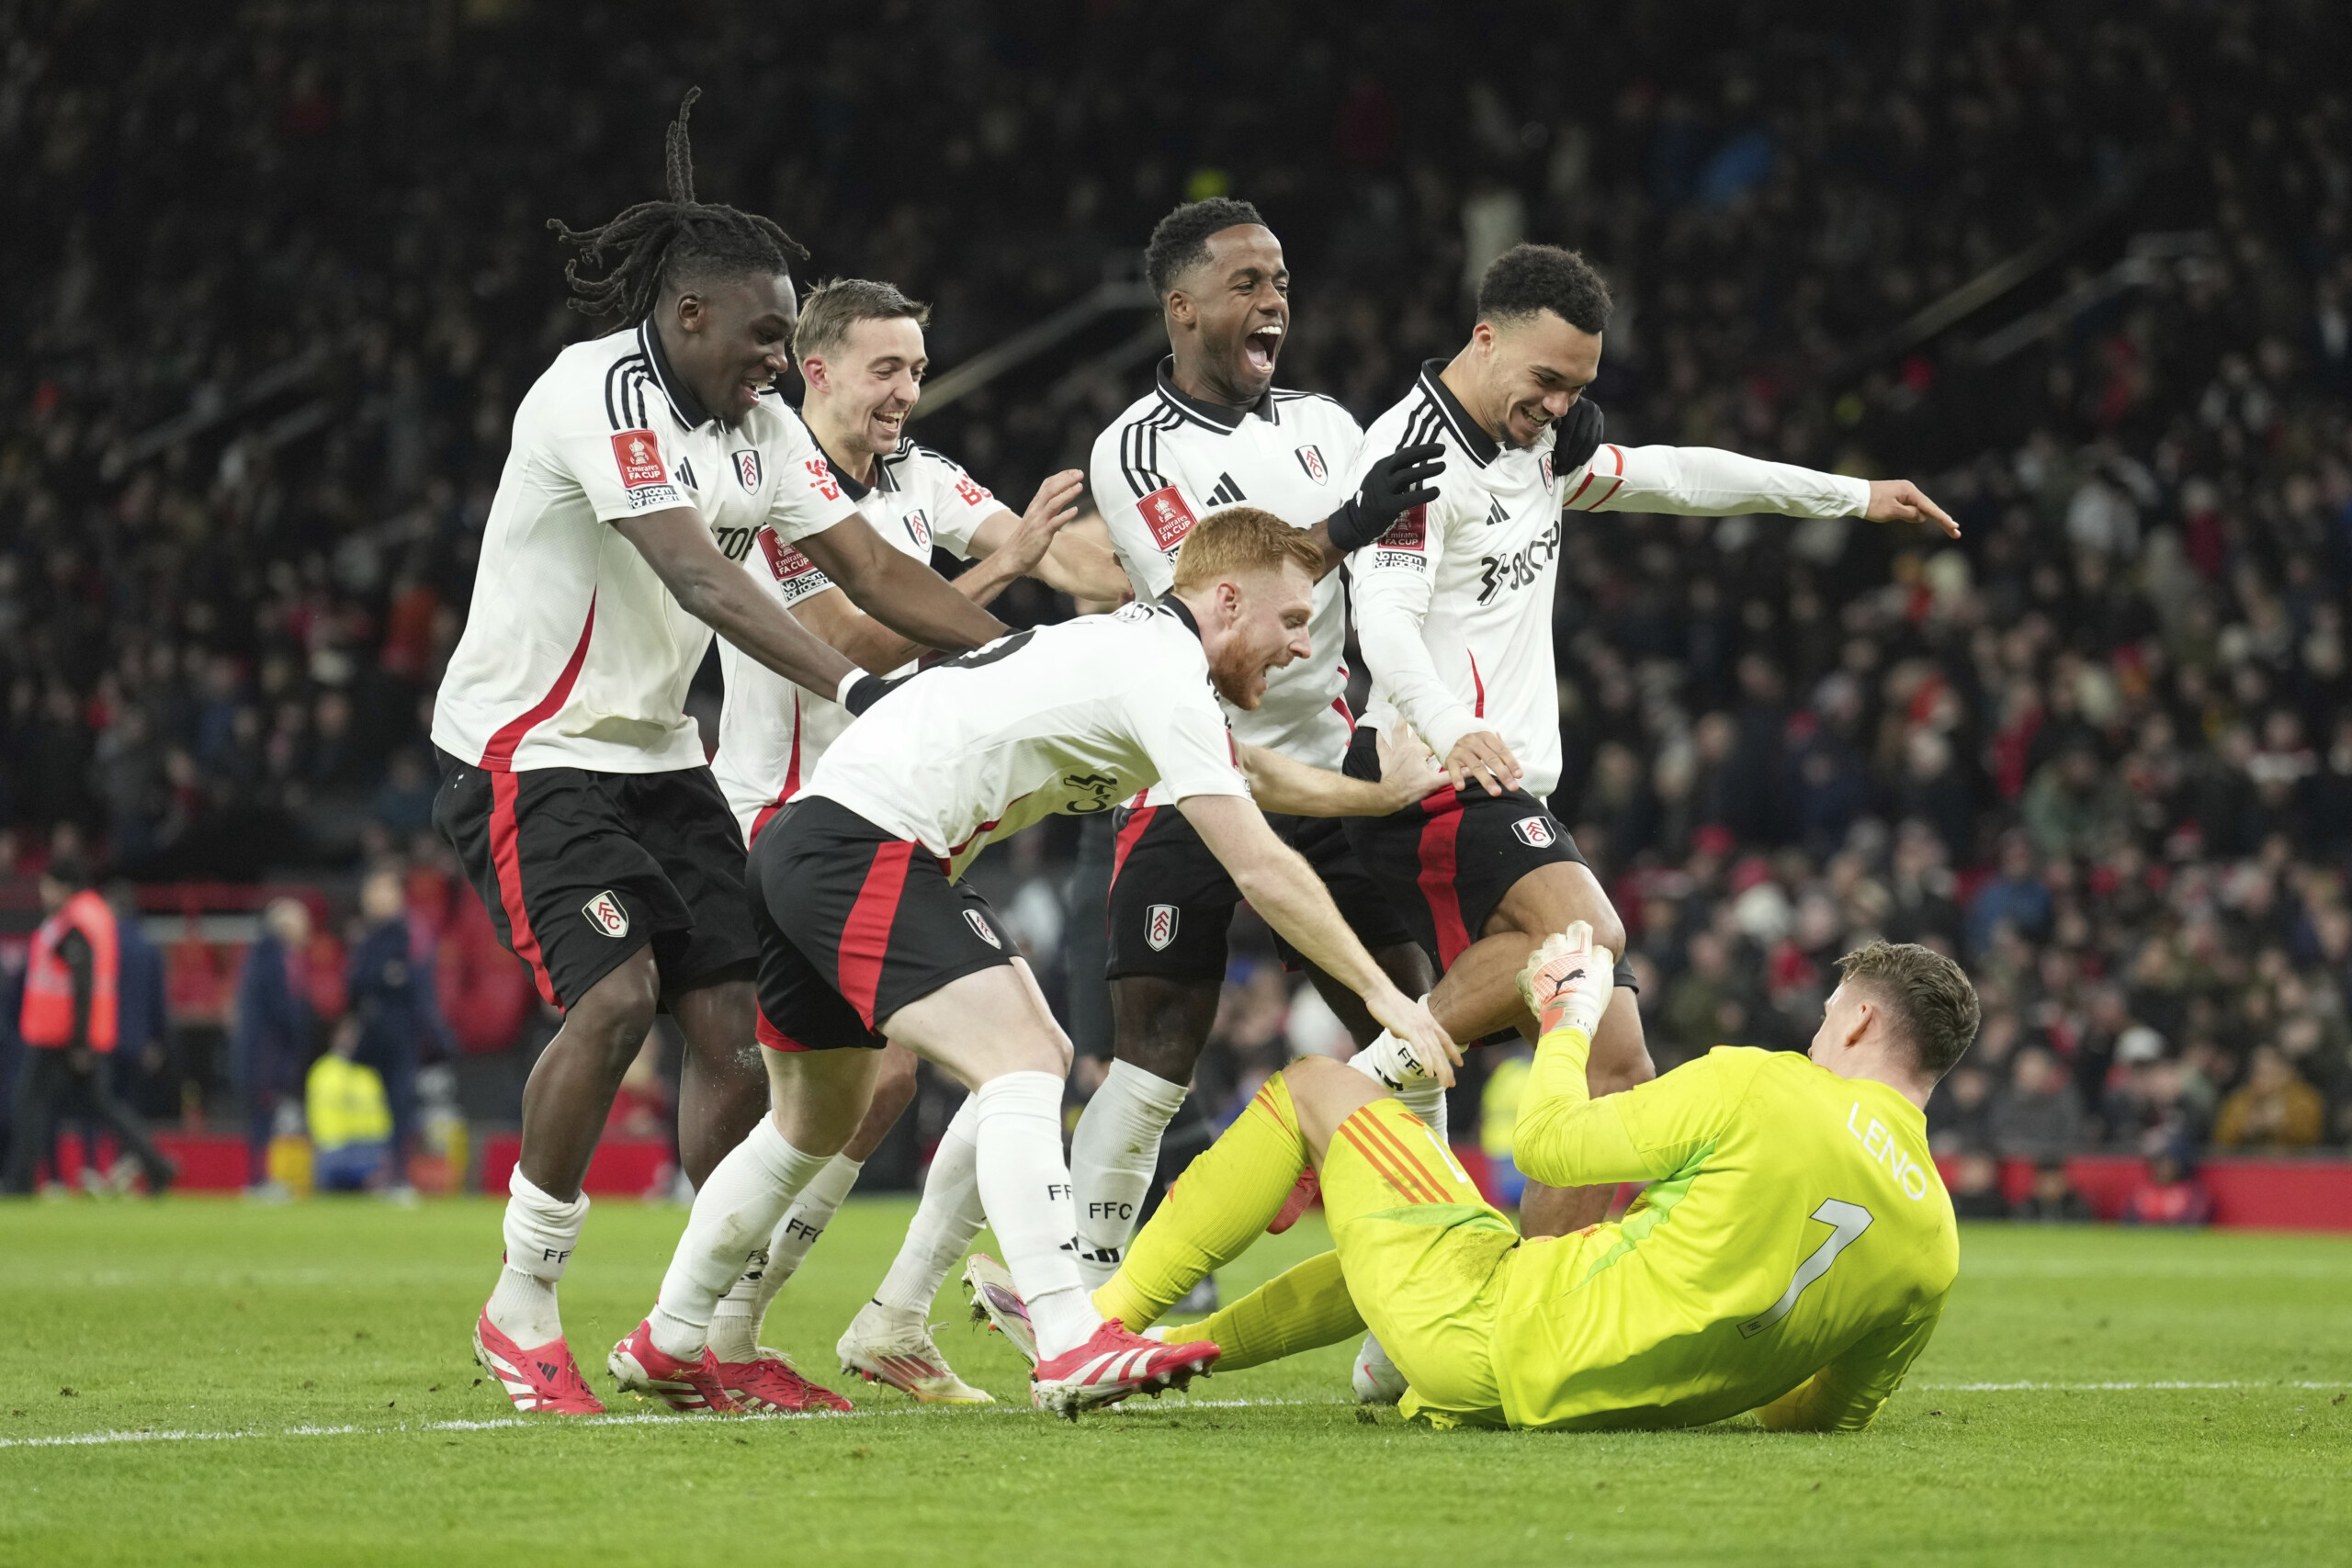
<point>796,571</point>
<point>1158,927</point>
<point>639,457</point>
<point>980,928</point>
<point>1535,832</point>
<point>820,479</point>
<point>1095,792</point>
<point>1409,532</point>
<point>1311,459</point>
<point>1165,513</point>
<point>605,913</point>
<point>1523,566</point>
<point>974,492</point>
<point>747,469</point>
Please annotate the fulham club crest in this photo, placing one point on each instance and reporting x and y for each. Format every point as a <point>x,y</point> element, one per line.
<point>1159,927</point>
<point>1534,832</point>
<point>1545,463</point>
<point>605,913</point>
<point>1311,459</point>
<point>747,469</point>
<point>980,929</point>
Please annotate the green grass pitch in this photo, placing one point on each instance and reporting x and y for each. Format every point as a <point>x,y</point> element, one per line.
<point>294,1386</point>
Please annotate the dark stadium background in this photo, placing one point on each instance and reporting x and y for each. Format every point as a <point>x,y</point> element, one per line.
<point>277,275</point>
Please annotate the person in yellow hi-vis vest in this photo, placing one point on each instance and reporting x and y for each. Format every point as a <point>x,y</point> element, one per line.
<point>69,1026</point>
<point>1790,1257</point>
<point>350,1117</point>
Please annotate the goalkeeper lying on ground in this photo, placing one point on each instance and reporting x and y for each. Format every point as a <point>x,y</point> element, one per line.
<point>1791,1255</point>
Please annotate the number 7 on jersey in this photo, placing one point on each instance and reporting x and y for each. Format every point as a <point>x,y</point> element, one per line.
<point>1846,1222</point>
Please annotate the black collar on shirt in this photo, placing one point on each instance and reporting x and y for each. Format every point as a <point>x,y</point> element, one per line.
<point>1217,416</point>
<point>1482,447</point>
<point>1182,611</point>
<point>682,402</point>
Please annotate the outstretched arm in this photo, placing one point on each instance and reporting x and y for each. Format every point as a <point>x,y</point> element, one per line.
<point>1408,774</point>
<point>1706,481</point>
<point>899,591</point>
<point>1284,888</point>
<point>677,545</point>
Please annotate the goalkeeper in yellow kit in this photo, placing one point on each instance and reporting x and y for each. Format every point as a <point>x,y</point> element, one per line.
<point>1791,1255</point>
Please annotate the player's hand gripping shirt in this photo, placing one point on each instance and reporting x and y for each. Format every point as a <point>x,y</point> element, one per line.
<point>1170,460</point>
<point>1453,603</point>
<point>771,730</point>
<point>574,653</point>
<point>1793,1248</point>
<point>1068,720</point>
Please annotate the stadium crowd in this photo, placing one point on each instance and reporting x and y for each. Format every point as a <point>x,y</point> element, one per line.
<point>260,378</point>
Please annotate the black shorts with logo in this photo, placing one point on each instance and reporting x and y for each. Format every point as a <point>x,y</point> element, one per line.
<point>1447,862</point>
<point>1171,902</point>
<point>580,869</point>
<point>855,922</point>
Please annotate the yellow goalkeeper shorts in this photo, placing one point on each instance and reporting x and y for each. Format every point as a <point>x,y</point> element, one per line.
<point>1424,1257</point>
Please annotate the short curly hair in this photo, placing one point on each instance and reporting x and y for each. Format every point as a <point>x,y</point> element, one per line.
<point>1526,279</point>
<point>1934,1006</point>
<point>1180,240</point>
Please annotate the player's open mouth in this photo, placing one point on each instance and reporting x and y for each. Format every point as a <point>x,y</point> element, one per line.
<point>891,423</point>
<point>1260,346</point>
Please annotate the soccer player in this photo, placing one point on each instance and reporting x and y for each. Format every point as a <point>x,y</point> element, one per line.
<point>865,933</point>
<point>574,785</point>
<point>860,348</point>
<point>1214,431</point>
<point>1791,1255</point>
<point>1454,614</point>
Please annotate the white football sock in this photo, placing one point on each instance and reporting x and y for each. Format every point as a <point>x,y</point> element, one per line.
<point>1390,1063</point>
<point>946,1221</point>
<point>1425,1098</point>
<point>1025,1188</point>
<point>540,1235</point>
<point>733,1216</point>
<point>735,1322</point>
<point>1112,1157</point>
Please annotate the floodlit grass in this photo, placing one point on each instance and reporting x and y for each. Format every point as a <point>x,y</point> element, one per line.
<point>294,1386</point>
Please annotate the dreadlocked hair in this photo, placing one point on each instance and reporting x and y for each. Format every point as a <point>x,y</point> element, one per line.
<point>670,242</point>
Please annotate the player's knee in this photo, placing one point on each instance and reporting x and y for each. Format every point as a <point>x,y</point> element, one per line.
<point>894,1086</point>
<point>616,1015</point>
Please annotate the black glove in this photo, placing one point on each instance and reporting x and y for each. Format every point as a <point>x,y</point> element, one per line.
<point>866,690</point>
<point>1392,487</point>
<point>1576,437</point>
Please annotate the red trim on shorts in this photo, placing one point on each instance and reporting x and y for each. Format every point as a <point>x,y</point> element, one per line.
<point>1381,1133</point>
<point>865,935</point>
<point>1129,836</point>
<point>498,757</point>
<point>1381,1161</point>
<point>1437,877</point>
<point>772,1037</point>
<point>502,854</point>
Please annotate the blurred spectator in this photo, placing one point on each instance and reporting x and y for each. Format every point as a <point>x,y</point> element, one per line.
<point>1959,1111</point>
<point>1976,1189</point>
<point>353,1142</point>
<point>271,1032</point>
<point>2052,1198</point>
<point>2037,1117</point>
<point>395,1007</point>
<point>2168,1192</point>
<point>2273,1111</point>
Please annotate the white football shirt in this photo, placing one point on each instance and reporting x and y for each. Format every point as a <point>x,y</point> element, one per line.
<point>1170,460</point>
<point>1453,603</point>
<point>1068,720</point>
<point>771,730</point>
<point>574,654</point>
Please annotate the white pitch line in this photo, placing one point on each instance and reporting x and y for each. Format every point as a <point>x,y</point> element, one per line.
<point>2101,1387</point>
<point>84,1439</point>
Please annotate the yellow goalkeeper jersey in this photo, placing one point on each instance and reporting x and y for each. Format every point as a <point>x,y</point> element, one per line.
<point>1792,1250</point>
